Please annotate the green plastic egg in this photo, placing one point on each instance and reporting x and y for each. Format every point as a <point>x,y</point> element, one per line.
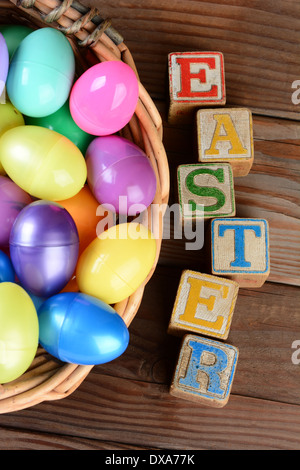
<point>14,35</point>
<point>61,121</point>
<point>19,331</point>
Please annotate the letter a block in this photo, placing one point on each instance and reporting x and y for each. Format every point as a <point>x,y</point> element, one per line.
<point>196,79</point>
<point>240,250</point>
<point>205,191</point>
<point>204,305</point>
<point>225,135</point>
<point>204,371</point>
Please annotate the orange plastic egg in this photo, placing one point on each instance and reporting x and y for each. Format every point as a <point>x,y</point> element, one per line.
<point>90,217</point>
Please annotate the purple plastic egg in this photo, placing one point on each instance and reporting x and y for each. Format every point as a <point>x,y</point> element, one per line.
<point>4,62</point>
<point>12,200</point>
<point>120,175</point>
<point>44,247</point>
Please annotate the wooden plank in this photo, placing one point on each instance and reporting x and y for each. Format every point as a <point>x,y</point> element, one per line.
<point>259,41</point>
<point>146,415</point>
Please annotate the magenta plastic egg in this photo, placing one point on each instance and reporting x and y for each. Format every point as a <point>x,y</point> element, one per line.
<point>44,247</point>
<point>12,200</point>
<point>104,98</point>
<point>120,175</point>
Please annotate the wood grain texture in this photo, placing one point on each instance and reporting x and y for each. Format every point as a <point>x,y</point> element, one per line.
<point>259,40</point>
<point>125,404</point>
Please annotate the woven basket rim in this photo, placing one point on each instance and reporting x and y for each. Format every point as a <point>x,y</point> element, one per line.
<point>48,379</point>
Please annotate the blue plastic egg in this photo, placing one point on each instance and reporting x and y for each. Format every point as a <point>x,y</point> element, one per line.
<point>7,272</point>
<point>80,329</point>
<point>41,73</point>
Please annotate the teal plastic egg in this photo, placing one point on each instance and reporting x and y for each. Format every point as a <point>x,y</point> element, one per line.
<point>80,329</point>
<point>41,73</point>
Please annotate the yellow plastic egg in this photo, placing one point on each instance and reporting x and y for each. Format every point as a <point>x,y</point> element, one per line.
<point>43,162</point>
<point>116,263</point>
<point>19,331</point>
<point>9,117</point>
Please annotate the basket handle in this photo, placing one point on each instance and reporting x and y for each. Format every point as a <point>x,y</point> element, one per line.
<point>87,15</point>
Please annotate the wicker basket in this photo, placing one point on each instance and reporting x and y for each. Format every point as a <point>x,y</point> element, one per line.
<point>93,39</point>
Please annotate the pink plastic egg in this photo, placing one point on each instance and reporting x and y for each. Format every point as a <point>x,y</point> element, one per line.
<point>120,175</point>
<point>104,98</point>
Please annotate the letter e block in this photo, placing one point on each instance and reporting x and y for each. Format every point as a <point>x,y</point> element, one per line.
<point>204,372</point>
<point>226,135</point>
<point>204,305</point>
<point>205,191</point>
<point>196,79</point>
<point>240,250</point>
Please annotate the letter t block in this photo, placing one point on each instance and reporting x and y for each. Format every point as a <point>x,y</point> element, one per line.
<point>204,372</point>
<point>196,79</point>
<point>240,250</point>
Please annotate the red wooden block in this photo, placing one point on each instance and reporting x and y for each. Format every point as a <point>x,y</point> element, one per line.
<point>196,79</point>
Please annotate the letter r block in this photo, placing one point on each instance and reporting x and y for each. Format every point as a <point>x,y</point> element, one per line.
<point>204,305</point>
<point>240,250</point>
<point>205,371</point>
<point>196,79</point>
<point>226,135</point>
<point>205,191</point>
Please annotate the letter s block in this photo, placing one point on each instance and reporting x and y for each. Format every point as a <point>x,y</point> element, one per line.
<point>205,371</point>
<point>204,305</point>
<point>205,191</point>
<point>226,135</point>
<point>240,250</point>
<point>196,79</point>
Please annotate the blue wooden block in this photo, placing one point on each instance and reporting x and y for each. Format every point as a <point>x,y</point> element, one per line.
<point>204,371</point>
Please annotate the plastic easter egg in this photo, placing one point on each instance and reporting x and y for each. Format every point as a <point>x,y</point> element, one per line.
<point>116,263</point>
<point>120,174</point>
<point>90,217</point>
<point>61,121</point>
<point>44,247</point>
<point>9,117</point>
<point>19,331</point>
<point>7,272</point>
<point>81,329</point>
<point>12,200</point>
<point>14,35</point>
<point>44,163</point>
<point>104,98</point>
<point>4,63</point>
<point>41,73</point>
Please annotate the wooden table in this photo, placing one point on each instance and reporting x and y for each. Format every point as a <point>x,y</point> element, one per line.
<point>125,405</point>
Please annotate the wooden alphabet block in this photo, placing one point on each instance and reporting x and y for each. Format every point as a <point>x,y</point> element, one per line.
<point>226,135</point>
<point>205,191</point>
<point>196,79</point>
<point>240,250</point>
<point>204,305</point>
<point>204,372</point>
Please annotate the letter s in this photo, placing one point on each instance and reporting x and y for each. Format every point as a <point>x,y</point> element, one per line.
<point>296,94</point>
<point>296,354</point>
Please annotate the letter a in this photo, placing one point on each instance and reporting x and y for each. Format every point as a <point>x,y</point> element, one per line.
<point>224,121</point>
